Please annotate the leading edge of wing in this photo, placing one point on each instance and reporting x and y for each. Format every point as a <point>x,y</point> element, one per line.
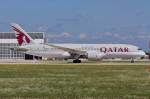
<point>70,50</point>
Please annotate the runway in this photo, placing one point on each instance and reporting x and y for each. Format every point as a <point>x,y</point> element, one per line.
<point>60,62</point>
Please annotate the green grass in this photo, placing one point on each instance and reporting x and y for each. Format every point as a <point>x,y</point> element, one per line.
<point>69,81</point>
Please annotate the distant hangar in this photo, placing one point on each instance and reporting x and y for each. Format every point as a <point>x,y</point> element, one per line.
<point>8,40</point>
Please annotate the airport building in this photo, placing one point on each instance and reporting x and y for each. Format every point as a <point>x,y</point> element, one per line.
<point>8,40</point>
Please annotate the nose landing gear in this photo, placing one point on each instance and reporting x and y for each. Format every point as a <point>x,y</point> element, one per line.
<point>132,60</point>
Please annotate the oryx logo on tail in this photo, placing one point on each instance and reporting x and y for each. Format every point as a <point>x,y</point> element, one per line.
<point>21,35</point>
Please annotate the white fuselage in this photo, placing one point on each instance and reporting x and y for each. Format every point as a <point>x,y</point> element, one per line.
<point>94,51</point>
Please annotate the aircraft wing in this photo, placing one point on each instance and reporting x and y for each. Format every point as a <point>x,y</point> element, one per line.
<point>72,51</point>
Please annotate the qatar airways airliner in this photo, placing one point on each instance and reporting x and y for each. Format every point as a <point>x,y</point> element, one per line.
<point>75,51</point>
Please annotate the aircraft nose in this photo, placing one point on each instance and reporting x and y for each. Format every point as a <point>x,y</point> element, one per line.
<point>142,53</point>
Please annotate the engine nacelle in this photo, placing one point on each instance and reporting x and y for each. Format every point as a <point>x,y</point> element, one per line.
<point>95,55</point>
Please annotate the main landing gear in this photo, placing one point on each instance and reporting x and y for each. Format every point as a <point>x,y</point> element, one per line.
<point>77,61</point>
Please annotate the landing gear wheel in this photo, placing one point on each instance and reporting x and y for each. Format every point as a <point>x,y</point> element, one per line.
<point>77,61</point>
<point>132,60</point>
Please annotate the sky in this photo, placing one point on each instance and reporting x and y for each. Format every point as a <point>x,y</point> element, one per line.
<point>81,21</point>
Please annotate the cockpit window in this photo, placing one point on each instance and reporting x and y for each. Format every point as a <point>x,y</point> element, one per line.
<point>139,49</point>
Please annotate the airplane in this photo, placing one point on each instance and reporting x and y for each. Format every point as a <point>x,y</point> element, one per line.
<point>75,51</point>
